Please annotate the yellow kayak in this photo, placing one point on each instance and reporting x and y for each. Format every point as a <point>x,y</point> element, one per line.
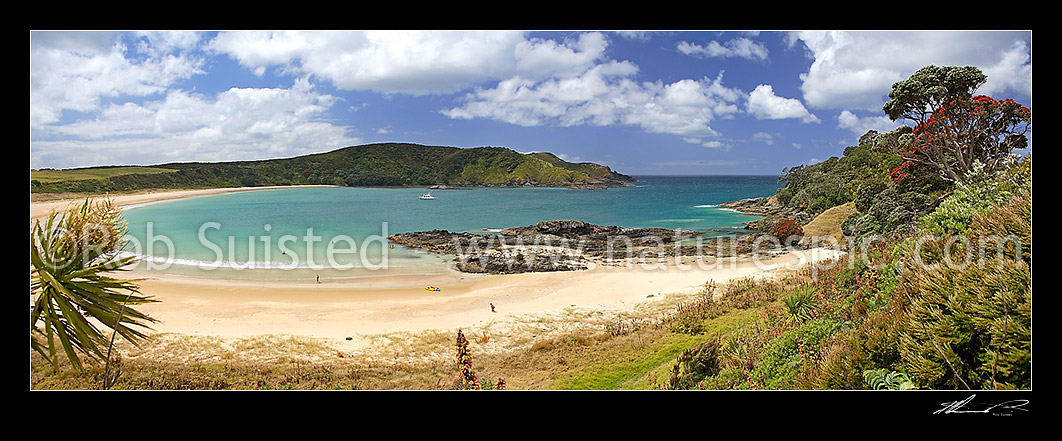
<point>432,288</point>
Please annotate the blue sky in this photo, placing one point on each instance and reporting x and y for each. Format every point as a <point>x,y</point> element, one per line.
<point>641,102</point>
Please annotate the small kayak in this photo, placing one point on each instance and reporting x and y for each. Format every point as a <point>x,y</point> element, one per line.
<point>432,288</point>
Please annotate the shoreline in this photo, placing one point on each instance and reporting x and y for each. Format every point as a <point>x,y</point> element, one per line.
<point>390,304</point>
<point>42,208</point>
<point>347,313</point>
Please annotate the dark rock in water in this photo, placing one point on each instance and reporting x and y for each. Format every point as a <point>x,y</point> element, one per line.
<point>435,241</point>
<point>582,230</point>
<point>570,245</point>
<point>556,245</point>
<point>518,262</point>
<point>560,228</point>
<point>494,254</point>
<point>592,240</point>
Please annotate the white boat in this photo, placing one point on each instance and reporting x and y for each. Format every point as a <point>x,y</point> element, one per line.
<point>427,196</point>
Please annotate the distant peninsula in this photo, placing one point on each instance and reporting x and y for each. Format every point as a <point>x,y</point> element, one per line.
<point>370,165</point>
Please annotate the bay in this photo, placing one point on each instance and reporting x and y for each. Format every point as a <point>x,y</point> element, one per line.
<point>343,228</point>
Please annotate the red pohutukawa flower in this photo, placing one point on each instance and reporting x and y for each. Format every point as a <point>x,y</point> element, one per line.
<point>964,131</point>
<point>786,228</point>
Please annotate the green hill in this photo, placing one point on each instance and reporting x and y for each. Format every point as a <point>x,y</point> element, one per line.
<point>372,165</point>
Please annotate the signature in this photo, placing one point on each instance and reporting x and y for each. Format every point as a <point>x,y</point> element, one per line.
<point>1004,408</point>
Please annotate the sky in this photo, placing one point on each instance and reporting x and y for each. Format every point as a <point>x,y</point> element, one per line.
<point>641,102</point>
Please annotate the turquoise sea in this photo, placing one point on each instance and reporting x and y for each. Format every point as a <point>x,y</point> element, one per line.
<point>341,231</point>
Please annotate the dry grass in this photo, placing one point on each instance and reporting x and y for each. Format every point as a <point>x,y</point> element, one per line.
<point>828,224</point>
<point>50,175</point>
<point>576,348</point>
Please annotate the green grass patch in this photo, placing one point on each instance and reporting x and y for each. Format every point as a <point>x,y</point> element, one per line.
<point>629,369</point>
<point>50,175</point>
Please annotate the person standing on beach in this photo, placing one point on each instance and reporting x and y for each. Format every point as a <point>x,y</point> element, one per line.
<point>492,307</point>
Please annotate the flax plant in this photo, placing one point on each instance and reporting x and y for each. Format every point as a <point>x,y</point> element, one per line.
<point>71,290</point>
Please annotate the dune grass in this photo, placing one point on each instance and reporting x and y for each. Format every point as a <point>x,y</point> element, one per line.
<point>572,351</point>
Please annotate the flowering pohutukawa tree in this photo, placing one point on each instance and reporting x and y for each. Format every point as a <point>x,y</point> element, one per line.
<point>954,129</point>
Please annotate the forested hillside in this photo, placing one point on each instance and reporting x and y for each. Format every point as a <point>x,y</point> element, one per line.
<point>388,164</point>
<point>936,289</point>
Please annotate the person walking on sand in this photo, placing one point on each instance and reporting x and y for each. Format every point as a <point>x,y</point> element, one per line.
<point>492,307</point>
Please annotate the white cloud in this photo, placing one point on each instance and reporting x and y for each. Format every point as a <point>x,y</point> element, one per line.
<point>162,43</point>
<point>75,72</point>
<point>538,58</point>
<point>569,158</point>
<point>411,62</point>
<point>738,47</point>
<point>538,81</point>
<point>239,123</point>
<point>712,144</point>
<point>764,104</point>
<point>583,99</point>
<point>127,109</point>
<point>763,137</point>
<point>685,107</point>
<point>1012,73</point>
<point>715,145</point>
<point>856,70</point>
<point>260,50</point>
<point>859,126</point>
<point>604,95</point>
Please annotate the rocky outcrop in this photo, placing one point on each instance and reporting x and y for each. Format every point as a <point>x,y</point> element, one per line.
<point>611,180</point>
<point>570,245</point>
<point>769,208</point>
<point>436,241</point>
<point>582,230</point>
<point>519,261</point>
<point>556,245</point>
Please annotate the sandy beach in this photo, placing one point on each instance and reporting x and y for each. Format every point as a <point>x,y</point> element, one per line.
<point>345,311</point>
<point>42,208</point>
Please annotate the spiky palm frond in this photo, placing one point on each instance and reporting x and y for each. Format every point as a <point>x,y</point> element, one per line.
<point>71,255</point>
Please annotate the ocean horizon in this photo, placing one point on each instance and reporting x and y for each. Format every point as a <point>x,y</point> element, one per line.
<point>342,231</point>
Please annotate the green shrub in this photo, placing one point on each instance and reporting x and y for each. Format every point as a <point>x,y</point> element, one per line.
<point>886,210</point>
<point>836,181</point>
<point>784,356</point>
<point>730,378</point>
<point>784,195</point>
<point>980,193</point>
<point>800,302</point>
<point>695,364</point>
<point>969,320</point>
<point>867,193</point>
<point>884,379</point>
<point>872,345</point>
